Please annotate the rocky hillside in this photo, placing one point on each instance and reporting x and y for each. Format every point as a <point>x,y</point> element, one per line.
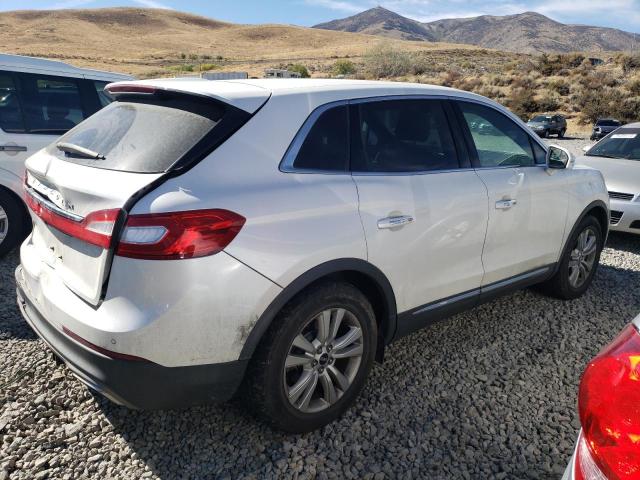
<point>527,32</point>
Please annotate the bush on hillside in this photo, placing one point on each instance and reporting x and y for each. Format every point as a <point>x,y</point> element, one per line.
<point>299,68</point>
<point>344,67</point>
<point>522,102</point>
<point>384,61</point>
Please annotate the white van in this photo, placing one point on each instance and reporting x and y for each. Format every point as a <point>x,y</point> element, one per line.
<point>39,101</point>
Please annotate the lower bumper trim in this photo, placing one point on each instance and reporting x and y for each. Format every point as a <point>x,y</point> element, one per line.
<point>136,384</point>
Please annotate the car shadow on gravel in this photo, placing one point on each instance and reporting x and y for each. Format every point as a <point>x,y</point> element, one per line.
<point>626,242</point>
<point>11,323</point>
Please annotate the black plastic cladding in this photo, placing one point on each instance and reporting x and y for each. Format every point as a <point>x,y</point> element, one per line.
<point>232,120</point>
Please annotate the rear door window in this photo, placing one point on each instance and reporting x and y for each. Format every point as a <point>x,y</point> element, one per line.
<point>51,104</point>
<point>401,136</point>
<point>140,137</point>
<point>11,118</point>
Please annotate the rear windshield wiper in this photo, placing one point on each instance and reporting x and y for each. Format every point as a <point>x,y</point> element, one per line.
<point>77,150</point>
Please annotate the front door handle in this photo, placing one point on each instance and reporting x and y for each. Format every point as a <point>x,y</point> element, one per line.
<point>13,148</point>
<point>506,204</point>
<point>396,221</point>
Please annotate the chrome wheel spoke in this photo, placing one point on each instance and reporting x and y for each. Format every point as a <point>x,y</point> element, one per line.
<point>573,275</point>
<point>303,383</point>
<point>329,390</point>
<point>339,378</point>
<point>335,323</point>
<point>590,246</point>
<point>303,403</point>
<point>350,351</point>
<point>324,326</point>
<point>354,334</point>
<point>297,361</point>
<point>303,344</point>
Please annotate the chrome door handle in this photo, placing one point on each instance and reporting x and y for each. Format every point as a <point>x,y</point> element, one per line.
<point>13,148</point>
<point>505,204</point>
<point>393,222</point>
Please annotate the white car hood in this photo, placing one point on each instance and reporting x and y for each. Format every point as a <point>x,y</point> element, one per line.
<point>620,175</point>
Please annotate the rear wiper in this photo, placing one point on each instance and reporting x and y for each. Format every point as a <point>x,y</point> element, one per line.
<point>79,151</point>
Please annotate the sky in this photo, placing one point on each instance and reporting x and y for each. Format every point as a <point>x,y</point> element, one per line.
<point>623,14</point>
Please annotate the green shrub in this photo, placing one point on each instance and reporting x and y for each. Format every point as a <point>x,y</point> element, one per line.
<point>384,61</point>
<point>205,67</point>
<point>522,102</point>
<point>344,67</point>
<point>547,104</point>
<point>560,87</point>
<point>299,68</point>
<point>634,86</point>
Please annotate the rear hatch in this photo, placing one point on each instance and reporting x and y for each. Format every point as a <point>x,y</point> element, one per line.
<point>80,188</point>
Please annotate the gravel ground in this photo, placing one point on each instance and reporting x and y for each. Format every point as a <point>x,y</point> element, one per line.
<point>486,394</point>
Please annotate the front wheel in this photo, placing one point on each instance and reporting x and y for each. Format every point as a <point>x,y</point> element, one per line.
<point>314,360</point>
<point>579,262</point>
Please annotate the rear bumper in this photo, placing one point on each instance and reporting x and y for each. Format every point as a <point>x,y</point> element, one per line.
<point>135,384</point>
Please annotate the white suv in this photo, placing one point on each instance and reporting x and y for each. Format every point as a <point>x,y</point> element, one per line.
<point>39,101</point>
<point>196,238</point>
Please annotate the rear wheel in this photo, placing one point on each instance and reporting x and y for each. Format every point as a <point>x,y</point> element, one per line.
<point>314,360</point>
<point>545,134</point>
<point>579,262</point>
<point>13,222</point>
<point>561,133</point>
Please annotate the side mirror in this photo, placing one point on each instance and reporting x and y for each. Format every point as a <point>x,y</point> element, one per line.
<point>558,157</point>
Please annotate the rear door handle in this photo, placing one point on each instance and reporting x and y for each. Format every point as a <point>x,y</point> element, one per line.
<point>506,204</point>
<point>396,221</point>
<point>13,148</point>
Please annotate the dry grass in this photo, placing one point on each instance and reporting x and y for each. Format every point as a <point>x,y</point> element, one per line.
<point>146,42</point>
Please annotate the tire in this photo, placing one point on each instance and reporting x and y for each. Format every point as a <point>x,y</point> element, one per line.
<point>561,133</point>
<point>562,284</point>
<point>545,134</point>
<point>14,223</point>
<point>267,388</point>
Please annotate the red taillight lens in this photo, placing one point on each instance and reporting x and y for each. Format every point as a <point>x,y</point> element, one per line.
<point>96,228</point>
<point>176,235</point>
<point>609,407</point>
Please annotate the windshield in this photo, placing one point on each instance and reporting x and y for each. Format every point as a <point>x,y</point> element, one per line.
<point>624,143</point>
<point>540,118</point>
<point>135,137</point>
<point>607,123</point>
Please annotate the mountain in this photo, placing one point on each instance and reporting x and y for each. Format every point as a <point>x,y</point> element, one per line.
<point>527,32</point>
<point>380,21</point>
<point>151,42</point>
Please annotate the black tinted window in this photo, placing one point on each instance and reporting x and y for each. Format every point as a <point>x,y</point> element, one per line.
<point>51,104</point>
<point>623,143</point>
<point>401,136</point>
<point>608,123</point>
<point>11,119</point>
<point>498,139</point>
<point>138,137</point>
<point>326,145</point>
<point>539,153</point>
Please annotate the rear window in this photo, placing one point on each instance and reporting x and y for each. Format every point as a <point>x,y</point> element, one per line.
<point>138,137</point>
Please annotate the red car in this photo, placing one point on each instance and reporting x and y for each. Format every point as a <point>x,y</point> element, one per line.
<point>608,447</point>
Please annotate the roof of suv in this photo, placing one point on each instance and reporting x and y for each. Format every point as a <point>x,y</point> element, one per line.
<point>54,67</point>
<point>249,95</point>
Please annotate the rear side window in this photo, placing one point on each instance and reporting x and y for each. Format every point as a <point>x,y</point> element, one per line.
<point>401,136</point>
<point>51,104</point>
<point>326,146</point>
<point>499,141</point>
<point>11,118</point>
<point>139,137</point>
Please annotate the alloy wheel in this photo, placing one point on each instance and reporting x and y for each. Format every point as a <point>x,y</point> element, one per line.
<point>4,224</point>
<point>582,258</point>
<point>323,360</point>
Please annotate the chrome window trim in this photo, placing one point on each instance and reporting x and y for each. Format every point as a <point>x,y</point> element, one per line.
<point>286,164</point>
<point>51,206</point>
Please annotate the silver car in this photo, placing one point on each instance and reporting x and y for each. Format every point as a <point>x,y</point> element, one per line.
<point>617,156</point>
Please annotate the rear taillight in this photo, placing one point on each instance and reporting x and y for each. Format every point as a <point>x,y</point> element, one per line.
<point>609,407</point>
<point>96,228</point>
<point>176,235</point>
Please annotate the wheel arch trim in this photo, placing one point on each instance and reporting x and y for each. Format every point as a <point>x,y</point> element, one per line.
<point>325,270</point>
